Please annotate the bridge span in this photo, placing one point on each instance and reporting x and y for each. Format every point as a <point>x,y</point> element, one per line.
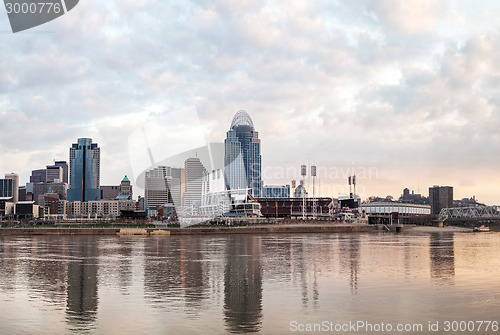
<point>471,216</point>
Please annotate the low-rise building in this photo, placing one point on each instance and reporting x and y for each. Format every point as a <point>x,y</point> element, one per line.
<point>27,209</point>
<point>7,206</point>
<point>387,208</point>
<point>99,208</point>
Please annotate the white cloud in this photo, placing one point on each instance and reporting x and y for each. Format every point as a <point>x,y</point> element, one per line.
<point>410,86</point>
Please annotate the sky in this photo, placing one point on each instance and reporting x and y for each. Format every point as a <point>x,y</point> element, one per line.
<point>401,93</point>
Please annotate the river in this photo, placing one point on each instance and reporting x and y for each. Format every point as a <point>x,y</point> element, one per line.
<point>268,284</point>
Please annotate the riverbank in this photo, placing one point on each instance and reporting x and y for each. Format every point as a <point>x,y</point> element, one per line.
<point>260,229</point>
<point>433,229</point>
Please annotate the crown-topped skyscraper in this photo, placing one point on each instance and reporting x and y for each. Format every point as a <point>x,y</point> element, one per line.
<point>242,159</point>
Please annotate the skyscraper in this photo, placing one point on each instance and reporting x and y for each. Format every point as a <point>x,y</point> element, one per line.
<point>175,181</point>
<point>15,185</point>
<point>54,174</point>
<point>242,159</point>
<point>157,192</point>
<point>38,176</point>
<point>7,188</point>
<point>194,171</point>
<point>125,188</point>
<point>440,197</point>
<point>64,166</point>
<point>84,171</point>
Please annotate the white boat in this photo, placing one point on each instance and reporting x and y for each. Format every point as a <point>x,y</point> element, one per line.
<point>481,229</point>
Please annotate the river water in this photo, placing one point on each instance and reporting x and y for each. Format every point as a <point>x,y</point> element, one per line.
<point>269,284</point>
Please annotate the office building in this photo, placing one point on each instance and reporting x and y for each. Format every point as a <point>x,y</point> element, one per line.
<point>440,197</point>
<point>141,204</point>
<point>122,191</point>
<point>29,192</point>
<point>38,176</point>
<point>22,193</point>
<point>156,189</point>
<point>15,185</point>
<point>194,171</point>
<point>175,183</point>
<point>65,169</point>
<point>84,171</point>
<point>163,185</point>
<point>242,159</point>
<point>7,188</point>
<point>276,191</point>
<point>109,192</point>
<point>40,189</point>
<point>125,188</point>
<point>300,191</point>
<point>54,174</point>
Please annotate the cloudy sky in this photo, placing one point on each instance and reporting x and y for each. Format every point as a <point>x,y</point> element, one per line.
<point>406,93</point>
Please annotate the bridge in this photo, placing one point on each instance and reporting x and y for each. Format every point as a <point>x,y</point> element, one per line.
<point>471,216</point>
<point>475,212</point>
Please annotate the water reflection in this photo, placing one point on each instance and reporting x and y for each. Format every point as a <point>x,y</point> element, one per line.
<point>46,275</point>
<point>82,297</point>
<point>125,263</point>
<point>354,247</point>
<point>162,269</point>
<point>8,264</point>
<point>442,255</point>
<point>243,284</point>
<point>193,276</point>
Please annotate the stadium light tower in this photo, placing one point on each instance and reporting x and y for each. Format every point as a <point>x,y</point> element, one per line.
<point>303,171</point>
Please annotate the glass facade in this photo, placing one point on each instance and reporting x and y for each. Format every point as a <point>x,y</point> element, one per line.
<point>281,191</point>
<point>242,159</point>
<point>84,171</point>
<point>6,188</point>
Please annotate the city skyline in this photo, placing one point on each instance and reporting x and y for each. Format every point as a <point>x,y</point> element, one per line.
<point>406,88</point>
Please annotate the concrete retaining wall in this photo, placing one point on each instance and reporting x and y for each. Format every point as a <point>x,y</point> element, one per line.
<point>324,228</point>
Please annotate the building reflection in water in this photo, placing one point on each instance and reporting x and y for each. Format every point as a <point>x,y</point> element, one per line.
<point>46,268</point>
<point>8,265</point>
<point>442,255</point>
<point>125,263</point>
<point>349,254</point>
<point>354,246</point>
<point>309,255</point>
<point>193,278</point>
<point>243,284</point>
<point>82,298</point>
<point>162,270</point>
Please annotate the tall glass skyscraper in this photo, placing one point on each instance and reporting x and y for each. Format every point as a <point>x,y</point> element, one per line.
<point>84,158</point>
<point>242,158</point>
